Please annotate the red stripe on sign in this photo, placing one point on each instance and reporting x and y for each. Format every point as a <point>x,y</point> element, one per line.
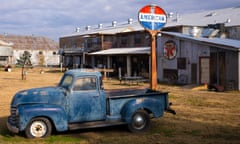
<point>159,11</point>
<point>145,9</point>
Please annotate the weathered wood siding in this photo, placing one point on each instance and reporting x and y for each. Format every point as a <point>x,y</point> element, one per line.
<point>191,51</point>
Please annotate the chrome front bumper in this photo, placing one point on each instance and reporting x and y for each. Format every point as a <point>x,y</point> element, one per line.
<point>12,128</point>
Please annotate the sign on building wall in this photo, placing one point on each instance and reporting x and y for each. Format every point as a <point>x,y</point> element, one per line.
<point>170,50</point>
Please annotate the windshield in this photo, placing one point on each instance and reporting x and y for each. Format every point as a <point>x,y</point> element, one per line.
<point>66,81</point>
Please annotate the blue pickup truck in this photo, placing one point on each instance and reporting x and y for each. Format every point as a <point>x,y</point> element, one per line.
<point>78,102</point>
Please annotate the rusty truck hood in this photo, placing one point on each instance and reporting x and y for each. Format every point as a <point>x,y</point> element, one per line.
<point>53,95</point>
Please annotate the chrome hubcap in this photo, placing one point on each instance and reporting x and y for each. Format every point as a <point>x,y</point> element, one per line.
<point>139,121</point>
<point>38,129</point>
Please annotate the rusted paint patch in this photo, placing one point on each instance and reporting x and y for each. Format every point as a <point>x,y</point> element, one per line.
<point>43,93</point>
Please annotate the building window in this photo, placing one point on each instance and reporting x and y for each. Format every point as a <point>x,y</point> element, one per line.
<point>89,43</point>
<point>3,58</point>
<point>137,39</point>
<point>181,63</point>
<point>171,75</point>
<point>75,45</point>
<point>124,41</point>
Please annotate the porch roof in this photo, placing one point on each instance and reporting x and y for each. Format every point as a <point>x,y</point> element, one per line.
<point>123,51</point>
<point>71,51</point>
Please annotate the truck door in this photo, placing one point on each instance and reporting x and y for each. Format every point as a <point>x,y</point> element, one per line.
<point>85,103</point>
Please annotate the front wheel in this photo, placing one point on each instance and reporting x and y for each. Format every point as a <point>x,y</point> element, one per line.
<point>38,128</point>
<point>140,121</point>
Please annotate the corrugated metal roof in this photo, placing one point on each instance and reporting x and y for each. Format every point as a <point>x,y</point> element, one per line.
<point>109,29</point>
<point>229,16</point>
<point>3,43</point>
<point>30,42</point>
<point>71,51</point>
<point>221,42</point>
<point>122,51</point>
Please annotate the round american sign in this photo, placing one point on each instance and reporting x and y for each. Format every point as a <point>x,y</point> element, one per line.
<point>152,17</point>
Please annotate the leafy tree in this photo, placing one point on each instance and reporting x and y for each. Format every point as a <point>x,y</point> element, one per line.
<point>25,62</point>
<point>25,59</point>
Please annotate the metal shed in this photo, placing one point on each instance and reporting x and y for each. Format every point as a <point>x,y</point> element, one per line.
<point>200,60</point>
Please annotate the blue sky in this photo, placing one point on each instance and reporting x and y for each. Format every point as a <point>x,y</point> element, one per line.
<point>54,18</point>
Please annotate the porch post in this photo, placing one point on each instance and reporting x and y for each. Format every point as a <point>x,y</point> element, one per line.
<point>108,62</point>
<point>128,65</point>
<point>83,58</point>
<point>93,60</point>
<point>239,70</point>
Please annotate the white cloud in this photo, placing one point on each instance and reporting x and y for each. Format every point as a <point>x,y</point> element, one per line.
<point>107,8</point>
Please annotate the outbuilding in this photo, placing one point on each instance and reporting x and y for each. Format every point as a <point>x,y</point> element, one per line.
<point>6,52</point>
<point>186,59</point>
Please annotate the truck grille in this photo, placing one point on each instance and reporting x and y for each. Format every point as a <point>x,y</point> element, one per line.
<point>13,119</point>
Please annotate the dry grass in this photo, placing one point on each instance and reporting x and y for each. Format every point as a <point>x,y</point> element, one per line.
<point>202,116</point>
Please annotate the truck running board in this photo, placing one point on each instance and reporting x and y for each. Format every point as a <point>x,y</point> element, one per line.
<point>95,124</point>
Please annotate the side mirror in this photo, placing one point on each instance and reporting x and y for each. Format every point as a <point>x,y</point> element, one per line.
<point>68,88</point>
<point>67,91</point>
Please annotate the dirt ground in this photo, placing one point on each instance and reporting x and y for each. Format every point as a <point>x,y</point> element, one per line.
<point>203,117</point>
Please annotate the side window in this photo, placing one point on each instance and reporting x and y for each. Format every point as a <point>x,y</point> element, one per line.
<point>66,82</point>
<point>86,83</point>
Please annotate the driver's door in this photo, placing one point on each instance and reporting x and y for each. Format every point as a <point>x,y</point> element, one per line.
<point>85,101</point>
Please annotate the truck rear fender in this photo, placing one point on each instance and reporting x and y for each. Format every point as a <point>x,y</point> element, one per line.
<point>55,114</point>
<point>154,106</point>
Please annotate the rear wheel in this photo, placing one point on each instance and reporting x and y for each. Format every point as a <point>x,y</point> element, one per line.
<point>140,121</point>
<point>38,128</point>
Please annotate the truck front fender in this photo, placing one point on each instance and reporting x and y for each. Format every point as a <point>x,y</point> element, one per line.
<point>54,113</point>
<point>154,106</point>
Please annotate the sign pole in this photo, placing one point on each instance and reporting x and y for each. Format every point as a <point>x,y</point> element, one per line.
<point>152,18</point>
<point>153,80</point>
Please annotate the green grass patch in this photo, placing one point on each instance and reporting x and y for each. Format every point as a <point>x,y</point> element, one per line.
<point>196,101</point>
<point>193,132</point>
<point>50,140</point>
<point>172,96</point>
<point>63,139</point>
<point>163,130</point>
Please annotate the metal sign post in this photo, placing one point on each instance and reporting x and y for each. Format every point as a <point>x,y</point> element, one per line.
<point>152,18</point>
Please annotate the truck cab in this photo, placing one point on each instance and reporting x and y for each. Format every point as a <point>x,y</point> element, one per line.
<point>86,99</point>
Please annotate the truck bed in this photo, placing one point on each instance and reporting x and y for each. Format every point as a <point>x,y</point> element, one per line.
<point>116,99</point>
<point>120,93</point>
